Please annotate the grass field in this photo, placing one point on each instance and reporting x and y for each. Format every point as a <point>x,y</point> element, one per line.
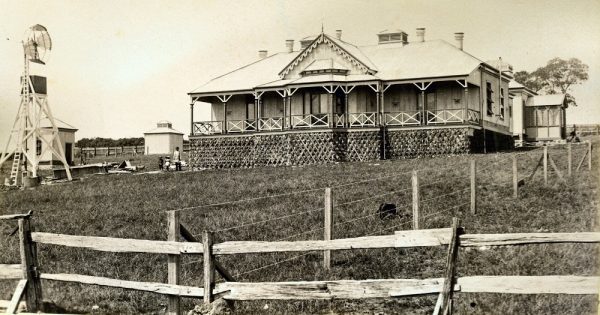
<point>133,206</point>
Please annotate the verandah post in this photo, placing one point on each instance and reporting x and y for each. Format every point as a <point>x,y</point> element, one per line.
<point>209,266</point>
<point>327,225</point>
<point>415,200</point>
<point>33,289</point>
<point>473,187</point>
<point>174,262</point>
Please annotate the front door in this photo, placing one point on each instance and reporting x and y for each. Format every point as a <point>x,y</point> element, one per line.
<point>69,153</point>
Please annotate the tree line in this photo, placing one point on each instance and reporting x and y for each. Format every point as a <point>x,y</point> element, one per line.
<point>109,142</point>
<point>557,76</point>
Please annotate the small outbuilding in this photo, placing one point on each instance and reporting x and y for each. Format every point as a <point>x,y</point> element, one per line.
<point>47,159</point>
<point>163,139</point>
<point>545,118</point>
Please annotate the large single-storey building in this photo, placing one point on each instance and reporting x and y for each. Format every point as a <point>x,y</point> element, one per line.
<point>335,101</point>
<point>545,118</point>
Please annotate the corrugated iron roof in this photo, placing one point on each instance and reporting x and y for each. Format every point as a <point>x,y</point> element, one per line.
<point>416,60</point>
<point>395,61</point>
<point>59,124</point>
<point>247,77</point>
<point>548,100</point>
<point>163,130</point>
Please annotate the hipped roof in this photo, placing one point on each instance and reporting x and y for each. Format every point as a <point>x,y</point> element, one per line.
<point>389,62</point>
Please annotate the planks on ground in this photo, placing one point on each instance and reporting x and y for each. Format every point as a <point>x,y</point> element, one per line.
<point>416,238</point>
<point>10,272</point>
<point>468,240</point>
<point>530,284</point>
<point>155,287</point>
<point>120,245</point>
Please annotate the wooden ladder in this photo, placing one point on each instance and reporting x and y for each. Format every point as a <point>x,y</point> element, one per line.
<point>14,171</point>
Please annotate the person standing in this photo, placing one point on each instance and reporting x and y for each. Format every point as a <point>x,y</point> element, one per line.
<point>177,159</point>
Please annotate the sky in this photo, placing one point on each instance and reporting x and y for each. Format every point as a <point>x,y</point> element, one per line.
<point>118,67</point>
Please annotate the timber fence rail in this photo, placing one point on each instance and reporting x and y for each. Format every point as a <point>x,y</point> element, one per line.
<point>453,237</point>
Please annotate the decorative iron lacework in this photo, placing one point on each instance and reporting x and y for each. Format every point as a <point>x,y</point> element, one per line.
<point>340,51</point>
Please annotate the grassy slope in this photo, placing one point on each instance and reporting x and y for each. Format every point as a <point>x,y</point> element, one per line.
<point>133,206</point>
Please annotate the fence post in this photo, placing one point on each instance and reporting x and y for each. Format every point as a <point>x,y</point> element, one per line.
<point>589,155</point>
<point>569,159</point>
<point>515,177</point>
<point>546,165</point>
<point>473,188</point>
<point>449,281</point>
<point>209,266</point>
<point>174,261</point>
<point>33,289</point>
<point>415,200</point>
<point>327,224</point>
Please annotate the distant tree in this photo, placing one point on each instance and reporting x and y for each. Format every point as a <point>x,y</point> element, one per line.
<point>557,76</point>
<point>108,142</point>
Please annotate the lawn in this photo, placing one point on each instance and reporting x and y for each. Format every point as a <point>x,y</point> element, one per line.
<point>133,206</point>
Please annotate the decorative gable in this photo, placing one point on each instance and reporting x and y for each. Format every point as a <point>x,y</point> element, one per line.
<point>337,49</point>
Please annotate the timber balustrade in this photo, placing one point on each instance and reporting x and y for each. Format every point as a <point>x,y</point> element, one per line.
<point>341,120</point>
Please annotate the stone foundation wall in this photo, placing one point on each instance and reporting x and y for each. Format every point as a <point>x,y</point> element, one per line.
<point>246,151</point>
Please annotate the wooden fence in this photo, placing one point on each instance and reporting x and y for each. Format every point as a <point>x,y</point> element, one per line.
<point>454,238</point>
<point>118,150</point>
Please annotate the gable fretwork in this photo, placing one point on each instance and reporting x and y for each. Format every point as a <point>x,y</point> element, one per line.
<point>325,55</point>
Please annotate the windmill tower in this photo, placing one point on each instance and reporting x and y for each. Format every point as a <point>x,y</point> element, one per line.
<point>32,113</point>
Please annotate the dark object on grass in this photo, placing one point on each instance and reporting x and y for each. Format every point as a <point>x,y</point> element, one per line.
<point>521,183</point>
<point>387,210</point>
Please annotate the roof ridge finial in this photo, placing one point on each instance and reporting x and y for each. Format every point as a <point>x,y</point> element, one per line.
<point>322,27</point>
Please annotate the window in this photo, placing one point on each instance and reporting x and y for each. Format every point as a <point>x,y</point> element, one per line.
<point>490,102</point>
<point>38,147</point>
<point>502,103</point>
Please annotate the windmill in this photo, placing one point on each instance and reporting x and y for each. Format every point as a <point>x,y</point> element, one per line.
<point>33,111</point>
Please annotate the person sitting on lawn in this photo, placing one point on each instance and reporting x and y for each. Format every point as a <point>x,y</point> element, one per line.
<point>573,135</point>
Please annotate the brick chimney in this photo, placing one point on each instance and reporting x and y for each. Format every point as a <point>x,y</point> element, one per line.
<point>338,34</point>
<point>459,37</point>
<point>421,34</point>
<point>262,54</point>
<point>289,45</point>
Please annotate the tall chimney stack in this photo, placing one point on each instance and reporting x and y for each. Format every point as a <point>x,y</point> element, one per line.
<point>421,34</point>
<point>262,54</point>
<point>459,37</point>
<point>338,34</point>
<point>289,44</point>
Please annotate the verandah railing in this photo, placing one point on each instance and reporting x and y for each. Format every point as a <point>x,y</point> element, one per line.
<point>342,120</point>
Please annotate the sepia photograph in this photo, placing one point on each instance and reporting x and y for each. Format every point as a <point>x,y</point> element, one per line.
<point>212,157</point>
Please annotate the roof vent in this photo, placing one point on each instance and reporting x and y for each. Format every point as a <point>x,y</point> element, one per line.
<point>421,34</point>
<point>306,41</point>
<point>164,124</point>
<point>338,34</point>
<point>392,36</point>
<point>262,54</point>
